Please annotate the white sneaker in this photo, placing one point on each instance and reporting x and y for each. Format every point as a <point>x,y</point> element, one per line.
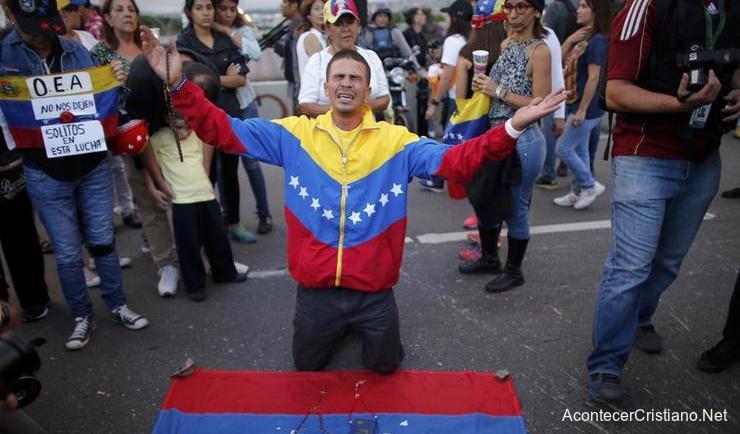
<point>241,268</point>
<point>92,279</point>
<point>80,337</point>
<point>588,196</point>
<point>128,318</point>
<point>568,200</point>
<point>169,277</point>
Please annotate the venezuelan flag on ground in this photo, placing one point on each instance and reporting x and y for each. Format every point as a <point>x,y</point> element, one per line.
<point>469,120</point>
<point>408,402</point>
<point>17,103</point>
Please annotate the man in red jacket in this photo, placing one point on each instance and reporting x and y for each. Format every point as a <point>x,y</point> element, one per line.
<point>345,208</point>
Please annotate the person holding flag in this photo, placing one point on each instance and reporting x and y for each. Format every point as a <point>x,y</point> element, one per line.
<point>59,120</point>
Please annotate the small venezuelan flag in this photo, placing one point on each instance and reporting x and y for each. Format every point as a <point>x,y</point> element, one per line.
<point>31,103</point>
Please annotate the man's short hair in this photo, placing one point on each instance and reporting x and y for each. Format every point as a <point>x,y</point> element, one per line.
<point>204,77</point>
<point>349,54</point>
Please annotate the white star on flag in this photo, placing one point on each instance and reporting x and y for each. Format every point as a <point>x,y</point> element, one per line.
<point>315,204</point>
<point>460,137</point>
<point>293,182</point>
<point>303,193</point>
<point>369,209</point>
<point>328,214</point>
<point>383,199</point>
<point>355,217</point>
<point>396,190</point>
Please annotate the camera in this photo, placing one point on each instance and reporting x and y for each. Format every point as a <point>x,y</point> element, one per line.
<point>19,362</point>
<point>698,61</point>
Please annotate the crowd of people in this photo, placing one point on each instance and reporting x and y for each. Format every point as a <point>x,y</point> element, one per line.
<point>182,189</point>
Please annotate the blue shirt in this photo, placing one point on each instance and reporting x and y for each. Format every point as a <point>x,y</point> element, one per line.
<point>595,54</point>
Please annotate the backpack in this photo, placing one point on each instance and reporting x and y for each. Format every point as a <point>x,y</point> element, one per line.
<point>383,43</point>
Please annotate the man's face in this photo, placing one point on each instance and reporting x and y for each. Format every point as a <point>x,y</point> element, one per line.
<point>381,20</point>
<point>37,43</point>
<point>347,85</point>
<point>71,17</point>
<point>343,33</point>
<point>288,8</point>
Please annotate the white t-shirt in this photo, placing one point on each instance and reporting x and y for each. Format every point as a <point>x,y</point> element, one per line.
<point>556,67</point>
<point>300,48</point>
<point>450,52</point>
<point>86,39</point>
<point>314,77</point>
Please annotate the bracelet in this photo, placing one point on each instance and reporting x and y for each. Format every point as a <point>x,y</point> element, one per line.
<point>180,84</point>
<point>497,92</point>
<point>506,95</point>
<point>434,102</point>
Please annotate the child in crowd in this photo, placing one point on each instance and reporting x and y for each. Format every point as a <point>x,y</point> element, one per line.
<point>196,215</point>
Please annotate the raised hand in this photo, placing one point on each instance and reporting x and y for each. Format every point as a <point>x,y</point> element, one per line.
<point>155,53</point>
<point>537,109</point>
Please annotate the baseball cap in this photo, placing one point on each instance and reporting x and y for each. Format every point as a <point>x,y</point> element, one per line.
<point>37,17</point>
<point>459,9</point>
<point>61,4</point>
<point>333,9</point>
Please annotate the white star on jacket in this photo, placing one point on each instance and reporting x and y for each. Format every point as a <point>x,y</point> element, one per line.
<point>328,214</point>
<point>383,199</point>
<point>355,217</point>
<point>369,209</point>
<point>293,182</point>
<point>303,193</point>
<point>396,190</point>
<point>315,204</point>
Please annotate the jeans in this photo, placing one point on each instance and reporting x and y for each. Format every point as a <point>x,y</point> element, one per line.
<point>531,150</point>
<point>323,316</point>
<point>199,225</point>
<point>573,150</point>
<point>656,209</point>
<point>548,170</point>
<point>72,211</point>
<point>121,188</point>
<point>254,171</point>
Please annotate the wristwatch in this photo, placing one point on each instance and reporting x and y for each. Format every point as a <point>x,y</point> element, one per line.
<point>434,102</point>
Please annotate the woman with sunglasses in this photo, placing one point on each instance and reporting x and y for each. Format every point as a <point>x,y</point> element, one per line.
<point>520,74</point>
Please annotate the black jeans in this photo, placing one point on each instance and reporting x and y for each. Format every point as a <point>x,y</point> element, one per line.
<point>20,244</point>
<point>199,225</point>
<point>732,327</point>
<point>323,316</point>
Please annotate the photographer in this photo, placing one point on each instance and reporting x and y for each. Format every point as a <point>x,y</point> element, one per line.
<point>665,166</point>
<point>13,421</point>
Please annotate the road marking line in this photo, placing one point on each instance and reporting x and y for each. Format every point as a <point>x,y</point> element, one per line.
<point>268,273</point>
<point>439,238</point>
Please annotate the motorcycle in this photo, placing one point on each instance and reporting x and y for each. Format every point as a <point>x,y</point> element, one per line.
<point>399,71</point>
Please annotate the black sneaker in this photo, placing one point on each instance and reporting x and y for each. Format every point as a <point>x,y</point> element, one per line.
<point>80,337</point>
<point>128,318</point>
<point>31,315</point>
<point>132,220</point>
<point>265,225</point>
<point>732,194</point>
<point>484,264</point>
<point>720,357</point>
<point>648,340</point>
<point>605,388</point>
<point>546,184</point>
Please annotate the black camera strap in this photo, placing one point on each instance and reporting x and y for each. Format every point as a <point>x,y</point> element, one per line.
<point>711,36</point>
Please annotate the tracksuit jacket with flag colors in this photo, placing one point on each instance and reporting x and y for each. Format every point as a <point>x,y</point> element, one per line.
<point>345,204</point>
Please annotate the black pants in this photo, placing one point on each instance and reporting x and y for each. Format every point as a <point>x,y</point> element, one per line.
<point>732,327</point>
<point>199,225</point>
<point>20,244</point>
<point>323,316</point>
<point>229,185</point>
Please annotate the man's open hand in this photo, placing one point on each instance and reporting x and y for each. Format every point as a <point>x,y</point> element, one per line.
<point>537,109</point>
<point>155,53</point>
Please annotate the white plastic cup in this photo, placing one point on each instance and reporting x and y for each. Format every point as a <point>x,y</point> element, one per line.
<point>480,61</point>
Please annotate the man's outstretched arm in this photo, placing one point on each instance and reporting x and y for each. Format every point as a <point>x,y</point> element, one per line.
<point>460,163</point>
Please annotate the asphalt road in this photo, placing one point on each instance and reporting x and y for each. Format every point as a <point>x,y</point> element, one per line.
<point>539,332</point>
